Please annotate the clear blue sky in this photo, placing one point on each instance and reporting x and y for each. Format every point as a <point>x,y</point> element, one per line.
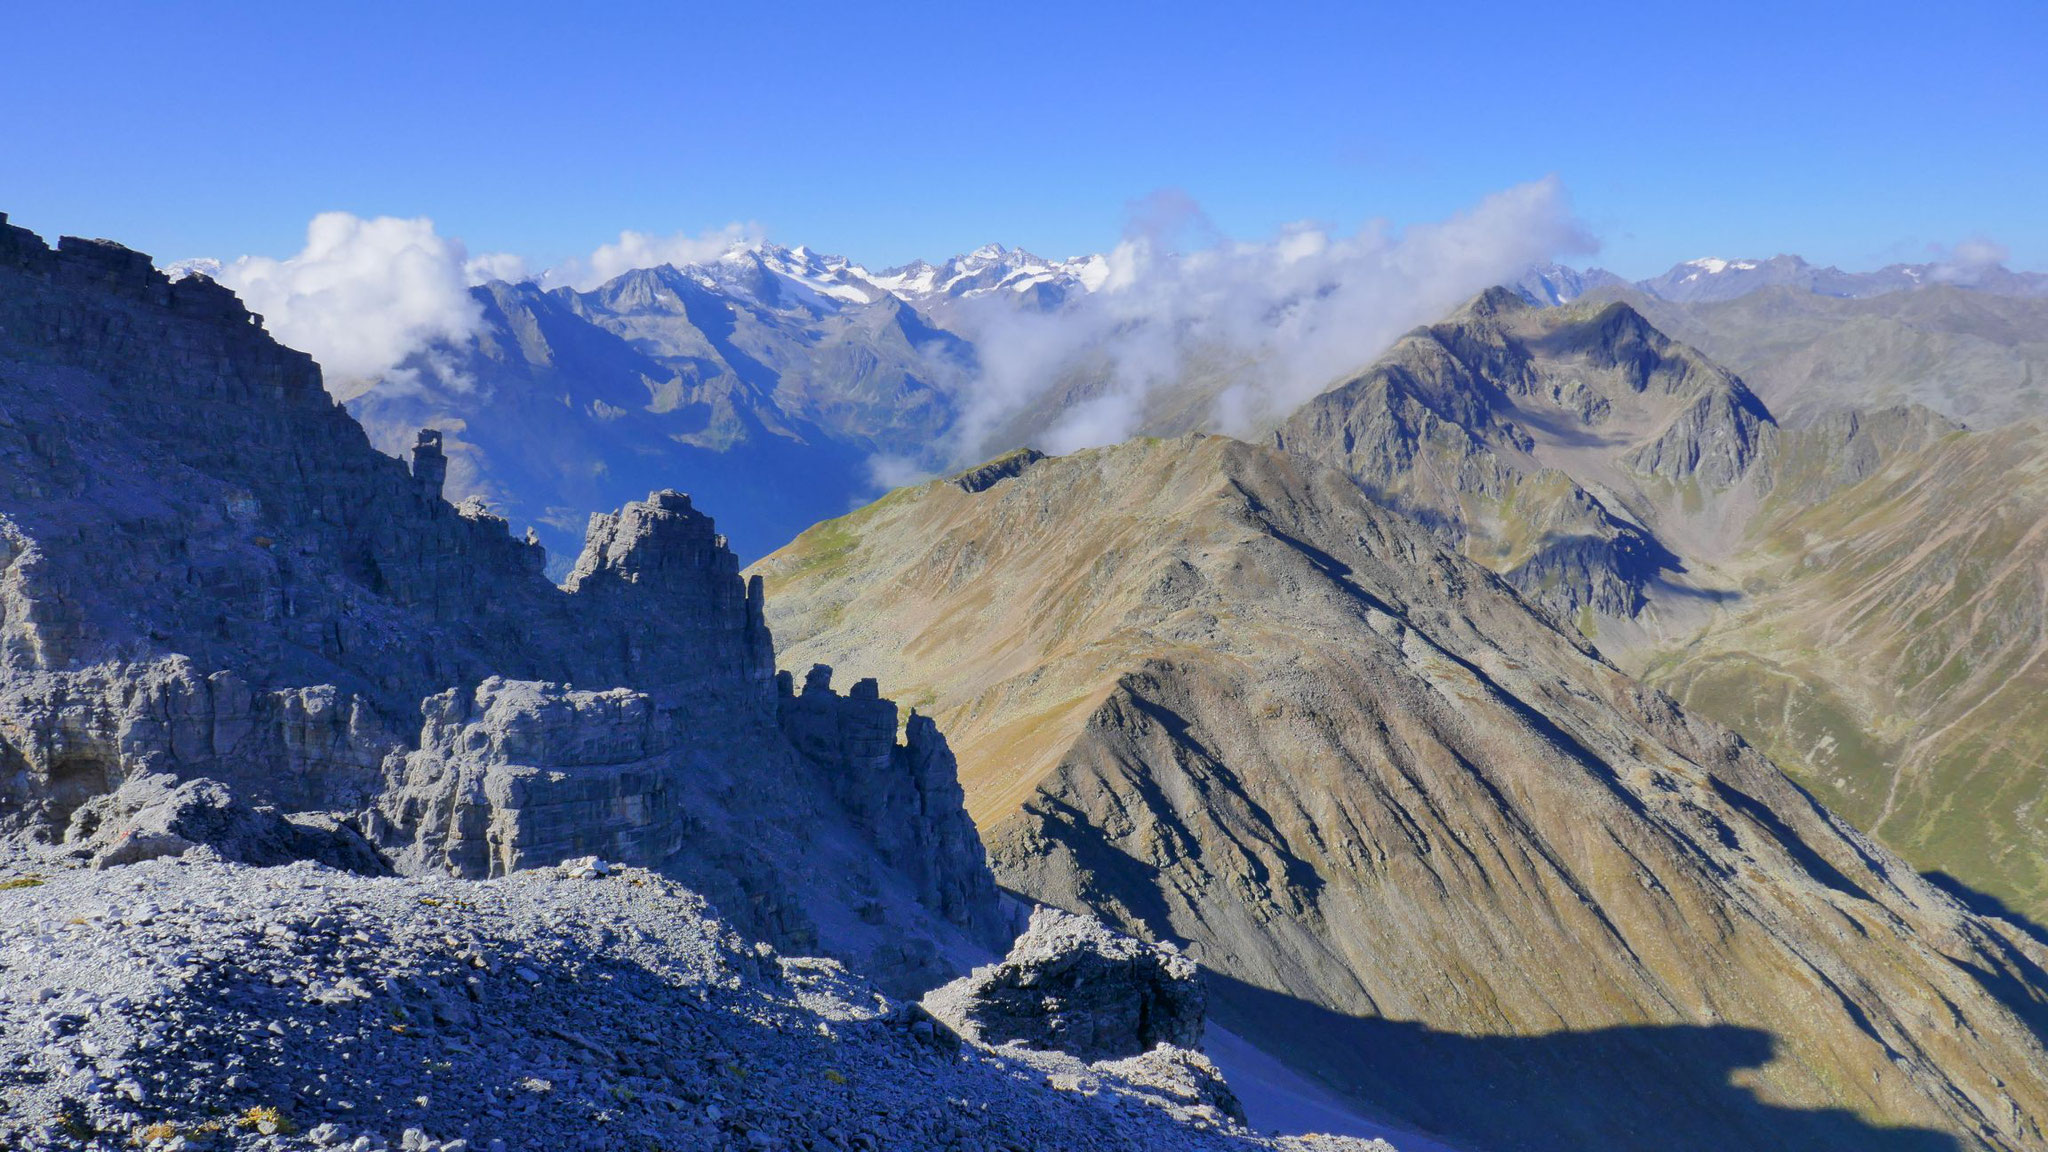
<point>1852,133</point>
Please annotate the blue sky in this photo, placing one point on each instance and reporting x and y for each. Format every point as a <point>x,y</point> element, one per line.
<point>1855,134</point>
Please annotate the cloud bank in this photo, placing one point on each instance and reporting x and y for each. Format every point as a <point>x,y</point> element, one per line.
<point>1232,336</point>
<point>645,250</point>
<point>1968,261</point>
<point>1188,329</point>
<point>365,295</point>
<point>362,295</point>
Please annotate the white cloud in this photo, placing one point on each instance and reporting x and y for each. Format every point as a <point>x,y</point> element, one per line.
<point>645,250</point>
<point>1260,326</point>
<point>508,266</point>
<point>1967,261</point>
<point>888,472</point>
<point>362,295</point>
<point>202,266</point>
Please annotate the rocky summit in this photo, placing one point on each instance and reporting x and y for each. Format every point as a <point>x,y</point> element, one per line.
<point>1577,451</point>
<point>183,1004</point>
<point>211,574</point>
<point>1429,845</point>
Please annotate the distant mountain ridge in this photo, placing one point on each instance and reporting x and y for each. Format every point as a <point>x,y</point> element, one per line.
<point>1713,278</point>
<point>789,385</point>
<point>769,381</point>
<point>754,270</point>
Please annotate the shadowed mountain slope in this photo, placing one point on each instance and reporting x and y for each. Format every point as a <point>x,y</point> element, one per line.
<point>1439,851</point>
<point>762,397</point>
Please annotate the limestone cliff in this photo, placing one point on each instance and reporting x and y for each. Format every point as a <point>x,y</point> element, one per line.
<point>208,572</point>
<point>1427,843</point>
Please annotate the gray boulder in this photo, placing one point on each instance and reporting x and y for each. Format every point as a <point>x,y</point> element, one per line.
<point>1071,985</point>
<point>158,815</point>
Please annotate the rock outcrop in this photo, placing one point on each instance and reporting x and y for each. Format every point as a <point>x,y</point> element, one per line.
<point>206,571</point>
<point>159,815</point>
<point>908,795</point>
<point>1071,985</point>
<point>517,774</point>
<point>697,626</point>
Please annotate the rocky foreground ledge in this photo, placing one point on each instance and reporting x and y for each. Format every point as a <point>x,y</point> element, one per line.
<point>192,1003</point>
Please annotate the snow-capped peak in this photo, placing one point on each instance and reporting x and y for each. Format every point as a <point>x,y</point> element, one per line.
<point>773,276</point>
<point>1714,266</point>
<point>989,269</point>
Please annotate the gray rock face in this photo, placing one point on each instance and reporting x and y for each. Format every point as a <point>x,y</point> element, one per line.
<point>159,815</point>
<point>76,734</point>
<point>518,773</point>
<point>908,794</point>
<point>708,631</point>
<point>1071,985</point>
<point>236,586</point>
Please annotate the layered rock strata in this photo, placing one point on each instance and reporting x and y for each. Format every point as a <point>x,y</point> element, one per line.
<point>208,572</point>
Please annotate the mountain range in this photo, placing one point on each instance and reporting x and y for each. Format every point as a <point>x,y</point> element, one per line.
<point>1625,455</point>
<point>1712,279</point>
<point>822,382</point>
<point>1551,734</point>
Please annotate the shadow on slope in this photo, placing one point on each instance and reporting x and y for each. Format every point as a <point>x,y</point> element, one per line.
<point>1669,1088</point>
<point>2015,984</point>
<point>1985,904</point>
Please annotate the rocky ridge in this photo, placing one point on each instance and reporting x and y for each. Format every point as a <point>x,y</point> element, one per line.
<point>1552,445</point>
<point>1428,844</point>
<point>209,573</point>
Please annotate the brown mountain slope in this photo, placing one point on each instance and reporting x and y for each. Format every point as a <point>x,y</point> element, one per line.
<point>1892,648</point>
<point>1434,849</point>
